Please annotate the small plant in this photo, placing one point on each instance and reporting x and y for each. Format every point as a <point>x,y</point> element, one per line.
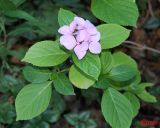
<point>82,120</point>
<point>82,57</point>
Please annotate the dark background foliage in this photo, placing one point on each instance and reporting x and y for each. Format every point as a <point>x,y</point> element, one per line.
<point>36,20</point>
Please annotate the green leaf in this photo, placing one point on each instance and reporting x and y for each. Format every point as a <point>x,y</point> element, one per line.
<point>122,73</point>
<point>6,5</point>
<point>7,112</point>
<point>63,85</point>
<point>112,35</point>
<point>84,116</point>
<point>71,118</point>
<point>106,62</point>
<point>122,58</point>
<point>20,31</point>
<point>45,54</point>
<point>3,50</point>
<point>116,109</point>
<point>91,124</point>
<point>102,83</point>
<point>18,2</point>
<point>133,85</point>
<point>36,75</point>
<point>65,17</point>
<point>19,54</point>
<point>58,103</point>
<point>139,88</point>
<point>10,83</point>
<point>81,120</point>
<point>145,85</point>
<point>147,97</point>
<point>26,16</point>
<point>123,12</point>
<point>51,116</point>
<point>140,91</point>
<point>32,100</point>
<point>21,15</point>
<point>90,65</point>
<point>137,79</point>
<point>134,102</point>
<point>79,79</point>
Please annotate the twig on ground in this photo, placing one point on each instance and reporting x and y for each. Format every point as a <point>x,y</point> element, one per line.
<point>141,47</point>
<point>150,8</point>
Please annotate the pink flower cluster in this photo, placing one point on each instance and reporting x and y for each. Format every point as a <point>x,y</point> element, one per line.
<point>81,35</point>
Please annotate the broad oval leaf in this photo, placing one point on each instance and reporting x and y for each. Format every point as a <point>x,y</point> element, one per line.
<point>116,109</point>
<point>122,58</point>
<point>106,62</point>
<point>36,75</point>
<point>65,17</point>
<point>32,100</point>
<point>123,12</point>
<point>112,35</point>
<point>122,73</point>
<point>134,102</point>
<point>79,79</point>
<point>45,54</point>
<point>63,85</point>
<point>90,65</point>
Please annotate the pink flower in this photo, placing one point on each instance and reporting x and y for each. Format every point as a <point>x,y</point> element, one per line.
<point>81,35</point>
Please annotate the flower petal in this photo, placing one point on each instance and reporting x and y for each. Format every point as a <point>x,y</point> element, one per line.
<point>80,54</point>
<point>68,42</point>
<point>83,46</point>
<point>65,30</point>
<point>95,47</point>
<point>73,26</point>
<point>95,38</point>
<point>89,25</point>
<point>82,35</point>
<point>91,29</point>
<point>80,21</point>
<point>79,27</point>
